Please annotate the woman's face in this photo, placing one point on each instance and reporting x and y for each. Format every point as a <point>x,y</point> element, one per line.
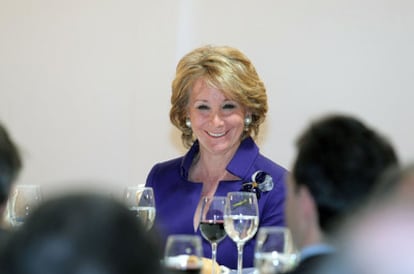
<point>216,121</point>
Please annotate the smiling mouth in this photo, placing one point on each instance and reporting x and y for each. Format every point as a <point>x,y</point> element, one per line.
<point>212,134</point>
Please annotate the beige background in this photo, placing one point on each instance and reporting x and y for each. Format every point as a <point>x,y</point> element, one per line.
<point>85,84</point>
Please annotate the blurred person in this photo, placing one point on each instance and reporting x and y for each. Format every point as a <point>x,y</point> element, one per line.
<point>380,238</point>
<point>81,234</point>
<point>10,166</point>
<point>396,185</point>
<point>218,103</point>
<point>339,160</point>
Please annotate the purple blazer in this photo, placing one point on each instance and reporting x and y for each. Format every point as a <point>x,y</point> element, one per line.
<point>176,198</point>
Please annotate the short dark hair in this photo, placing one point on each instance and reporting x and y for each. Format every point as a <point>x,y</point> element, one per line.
<point>339,160</point>
<point>78,234</point>
<point>10,164</point>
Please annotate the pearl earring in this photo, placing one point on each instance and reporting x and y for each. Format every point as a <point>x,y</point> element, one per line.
<point>188,122</point>
<point>247,121</point>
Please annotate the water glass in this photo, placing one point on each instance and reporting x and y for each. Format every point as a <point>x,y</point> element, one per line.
<point>183,254</point>
<point>241,220</point>
<point>140,199</point>
<point>274,251</point>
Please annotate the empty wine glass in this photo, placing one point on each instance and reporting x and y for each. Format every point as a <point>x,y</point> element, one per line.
<point>140,199</point>
<point>23,200</point>
<point>183,254</point>
<point>241,219</point>
<point>274,252</point>
<point>212,223</point>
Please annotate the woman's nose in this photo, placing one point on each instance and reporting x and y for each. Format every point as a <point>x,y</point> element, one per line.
<point>216,119</point>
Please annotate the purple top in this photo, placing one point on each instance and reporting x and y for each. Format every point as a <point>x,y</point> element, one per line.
<point>176,197</point>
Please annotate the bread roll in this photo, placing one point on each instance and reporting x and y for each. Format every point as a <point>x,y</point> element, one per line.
<point>208,267</point>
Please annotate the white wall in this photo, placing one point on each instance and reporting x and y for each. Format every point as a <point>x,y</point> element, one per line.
<point>85,84</point>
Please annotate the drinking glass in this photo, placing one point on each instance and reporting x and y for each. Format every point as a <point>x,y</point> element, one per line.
<point>212,223</point>
<point>22,202</point>
<point>183,254</point>
<point>241,219</point>
<point>140,199</point>
<point>274,252</point>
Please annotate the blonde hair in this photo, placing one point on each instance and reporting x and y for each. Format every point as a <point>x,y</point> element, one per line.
<point>227,69</point>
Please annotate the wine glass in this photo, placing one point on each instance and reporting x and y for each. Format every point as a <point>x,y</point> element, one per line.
<point>212,223</point>
<point>274,251</point>
<point>140,199</point>
<point>241,219</point>
<point>22,202</point>
<point>183,254</point>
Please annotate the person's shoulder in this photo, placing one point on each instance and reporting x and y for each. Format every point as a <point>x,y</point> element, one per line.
<point>166,167</point>
<point>169,163</point>
<point>271,166</point>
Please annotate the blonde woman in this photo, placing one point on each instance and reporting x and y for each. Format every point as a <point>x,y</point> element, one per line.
<point>218,103</point>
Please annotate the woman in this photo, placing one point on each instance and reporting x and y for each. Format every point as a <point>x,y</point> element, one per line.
<point>218,103</point>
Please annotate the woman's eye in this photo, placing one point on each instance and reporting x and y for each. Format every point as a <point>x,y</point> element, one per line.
<point>203,107</point>
<point>229,106</point>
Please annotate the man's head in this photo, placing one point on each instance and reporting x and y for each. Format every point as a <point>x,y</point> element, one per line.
<point>339,159</point>
<point>81,233</point>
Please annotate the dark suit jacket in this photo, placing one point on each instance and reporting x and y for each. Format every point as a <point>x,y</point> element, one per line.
<point>4,234</point>
<point>311,264</point>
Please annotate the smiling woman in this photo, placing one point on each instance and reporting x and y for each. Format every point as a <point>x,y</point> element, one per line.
<point>217,121</point>
<point>218,103</point>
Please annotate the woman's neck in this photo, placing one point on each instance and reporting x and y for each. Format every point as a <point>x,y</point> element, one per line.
<point>208,168</point>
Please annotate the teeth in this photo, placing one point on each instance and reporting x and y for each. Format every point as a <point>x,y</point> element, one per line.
<point>216,134</point>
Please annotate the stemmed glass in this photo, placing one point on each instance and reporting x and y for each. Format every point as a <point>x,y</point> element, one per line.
<point>23,200</point>
<point>140,199</point>
<point>241,219</point>
<point>274,251</point>
<point>212,223</point>
<point>183,254</point>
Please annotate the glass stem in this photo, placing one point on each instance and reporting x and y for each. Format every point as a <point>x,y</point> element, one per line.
<point>240,258</point>
<point>214,256</point>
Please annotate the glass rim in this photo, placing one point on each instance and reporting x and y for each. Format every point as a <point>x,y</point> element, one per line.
<point>183,236</point>
<point>242,193</point>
